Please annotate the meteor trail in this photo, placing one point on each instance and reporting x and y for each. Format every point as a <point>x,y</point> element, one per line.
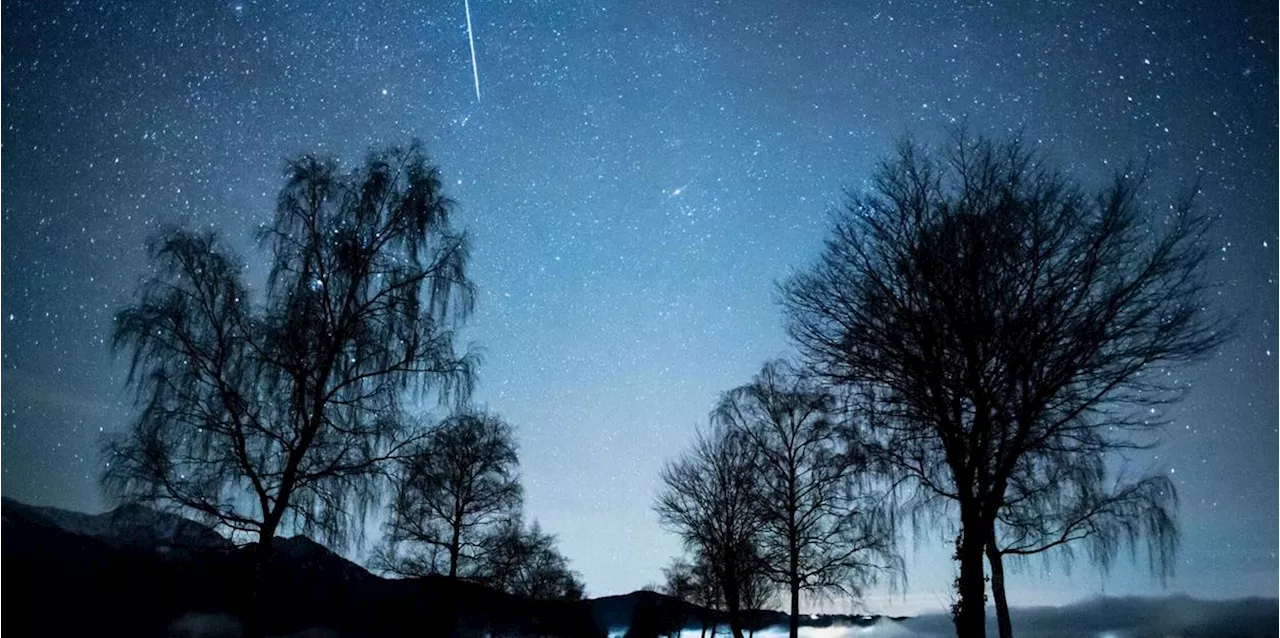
<point>475,72</point>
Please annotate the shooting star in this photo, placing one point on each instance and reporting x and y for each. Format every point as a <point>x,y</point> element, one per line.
<point>475,72</point>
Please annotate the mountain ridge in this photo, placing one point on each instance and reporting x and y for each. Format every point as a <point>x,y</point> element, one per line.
<point>177,567</point>
<point>129,525</point>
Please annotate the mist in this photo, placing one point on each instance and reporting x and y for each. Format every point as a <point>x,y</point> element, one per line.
<point>1129,617</point>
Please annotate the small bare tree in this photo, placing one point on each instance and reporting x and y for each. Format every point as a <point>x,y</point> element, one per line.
<point>998,318</point>
<point>824,531</point>
<point>710,497</point>
<point>694,581</point>
<point>451,492</point>
<point>679,581</point>
<point>525,562</point>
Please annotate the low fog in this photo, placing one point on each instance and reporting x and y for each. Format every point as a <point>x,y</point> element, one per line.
<point>1177,616</point>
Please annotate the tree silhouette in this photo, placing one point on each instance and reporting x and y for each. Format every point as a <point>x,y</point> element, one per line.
<point>451,491</point>
<point>525,562</point>
<point>998,321</point>
<point>710,497</point>
<point>694,581</point>
<point>680,581</point>
<point>823,533</point>
<point>280,412</point>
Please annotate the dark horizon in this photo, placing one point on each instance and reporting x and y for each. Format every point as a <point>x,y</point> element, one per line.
<point>635,181</point>
<point>940,620</point>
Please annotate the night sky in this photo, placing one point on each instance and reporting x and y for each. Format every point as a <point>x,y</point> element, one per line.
<point>635,179</point>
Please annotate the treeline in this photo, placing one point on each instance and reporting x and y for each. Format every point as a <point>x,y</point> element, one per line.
<point>979,337</point>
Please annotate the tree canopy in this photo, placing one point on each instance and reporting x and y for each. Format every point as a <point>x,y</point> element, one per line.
<point>452,491</point>
<point>999,324</point>
<point>258,411</point>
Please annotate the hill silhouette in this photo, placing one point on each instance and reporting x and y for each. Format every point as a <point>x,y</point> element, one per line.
<point>118,576</point>
<point>135,571</point>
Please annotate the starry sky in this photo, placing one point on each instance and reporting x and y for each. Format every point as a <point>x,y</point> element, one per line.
<point>635,178</point>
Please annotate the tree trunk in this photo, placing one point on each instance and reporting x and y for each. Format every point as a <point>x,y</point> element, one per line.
<point>455,548</point>
<point>969,611</point>
<point>255,620</point>
<point>733,602</point>
<point>997,589</point>
<point>735,618</point>
<point>795,606</point>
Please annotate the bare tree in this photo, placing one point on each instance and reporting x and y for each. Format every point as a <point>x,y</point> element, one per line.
<point>694,581</point>
<point>823,532</point>
<point>258,416</point>
<point>451,491</point>
<point>525,562</point>
<point>710,498</point>
<point>680,581</point>
<point>997,317</point>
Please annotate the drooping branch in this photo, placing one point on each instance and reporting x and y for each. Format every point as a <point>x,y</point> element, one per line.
<point>286,410</point>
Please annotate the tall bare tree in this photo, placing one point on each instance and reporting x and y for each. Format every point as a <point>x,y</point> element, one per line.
<point>710,497</point>
<point>824,531</point>
<point>997,317</point>
<point>451,493</point>
<point>260,415</point>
